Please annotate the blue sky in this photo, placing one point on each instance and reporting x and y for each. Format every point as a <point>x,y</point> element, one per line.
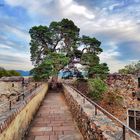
<point>116,23</point>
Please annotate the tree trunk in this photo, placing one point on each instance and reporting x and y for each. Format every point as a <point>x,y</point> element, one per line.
<point>54,82</point>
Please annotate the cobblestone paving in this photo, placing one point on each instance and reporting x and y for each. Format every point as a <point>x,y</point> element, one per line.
<point>53,121</point>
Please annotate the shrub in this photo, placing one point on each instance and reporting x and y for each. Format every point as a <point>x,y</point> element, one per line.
<point>97,88</point>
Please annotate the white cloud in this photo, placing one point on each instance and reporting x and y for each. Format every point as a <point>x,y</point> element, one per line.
<point>62,7</point>
<point>89,20</point>
<point>110,57</point>
<point>3,46</point>
<point>15,60</point>
<point>115,28</point>
<point>19,33</point>
<point>72,8</point>
<point>111,7</point>
<point>17,65</point>
<point>111,52</point>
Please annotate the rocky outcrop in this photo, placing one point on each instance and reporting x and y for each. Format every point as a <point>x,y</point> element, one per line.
<point>125,86</point>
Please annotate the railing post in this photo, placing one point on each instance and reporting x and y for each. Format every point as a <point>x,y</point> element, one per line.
<point>81,110</point>
<point>35,85</point>
<point>23,96</point>
<point>30,90</point>
<point>18,98</point>
<point>10,105</point>
<point>83,100</point>
<point>95,110</point>
<point>123,132</point>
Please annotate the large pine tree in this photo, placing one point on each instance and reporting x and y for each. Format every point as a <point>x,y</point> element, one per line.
<point>56,46</point>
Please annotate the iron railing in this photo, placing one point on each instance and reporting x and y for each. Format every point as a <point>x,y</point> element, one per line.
<point>98,107</point>
<point>7,105</point>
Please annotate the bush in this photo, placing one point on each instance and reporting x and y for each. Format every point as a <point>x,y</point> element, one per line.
<point>97,88</point>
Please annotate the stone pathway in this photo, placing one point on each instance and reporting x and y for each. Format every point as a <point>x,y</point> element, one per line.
<point>53,121</point>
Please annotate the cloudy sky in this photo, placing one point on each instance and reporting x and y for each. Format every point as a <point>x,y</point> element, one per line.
<point>116,23</point>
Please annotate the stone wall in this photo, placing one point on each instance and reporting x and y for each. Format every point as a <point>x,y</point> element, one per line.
<point>129,83</point>
<point>125,86</point>
<point>14,124</point>
<point>92,126</point>
<point>10,89</point>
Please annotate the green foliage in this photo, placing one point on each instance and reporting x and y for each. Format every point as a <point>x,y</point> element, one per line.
<point>44,51</point>
<point>90,59</point>
<point>99,70</point>
<point>92,45</point>
<point>63,38</point>
<point>13,73</point>
<point>50,66</point>
<point>3,72</point>
<point>8,73</point>
<point>45,39</point>
<point>133,68</point>
<point>43,71</point>
<point>97,88</point>
<point>123,71</point>
<point>58,61</point>
<point>93,65</point>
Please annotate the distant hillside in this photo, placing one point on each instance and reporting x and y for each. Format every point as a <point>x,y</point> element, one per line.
<point>23,73</point>
<point>8,73</point>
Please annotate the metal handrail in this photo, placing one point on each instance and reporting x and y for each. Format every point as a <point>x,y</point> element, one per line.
<point>107,113</point>
<point>16,97</point>
<point>11,100</point>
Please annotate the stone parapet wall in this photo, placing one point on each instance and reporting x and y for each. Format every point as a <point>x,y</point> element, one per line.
<point>127,82</point>
<point>13,124</point>
<point>92,126</point>
<point>126,86</point>
<point>9,90</point>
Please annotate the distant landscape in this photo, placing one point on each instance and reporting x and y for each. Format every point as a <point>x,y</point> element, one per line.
<point>23,73</point>
<point>9,73</point>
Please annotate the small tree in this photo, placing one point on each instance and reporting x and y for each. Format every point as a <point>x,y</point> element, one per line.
<point>97,88</point>
<point>51,65</point>
<point>133,68</point>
